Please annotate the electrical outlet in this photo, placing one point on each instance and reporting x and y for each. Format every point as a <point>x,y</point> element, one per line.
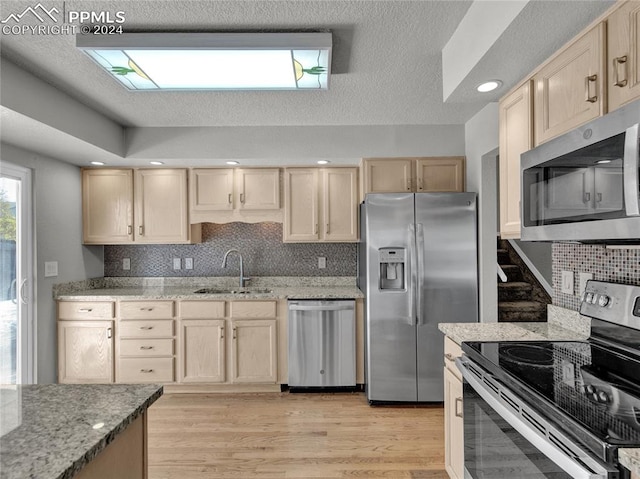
<point>126,264</point>
<point>177,263</point>
<point>582,281</point>
<point>567,282</point>
<point>322,262</point>
<point>568,372</point>
<point>50,268</point>
<point>188,263</point>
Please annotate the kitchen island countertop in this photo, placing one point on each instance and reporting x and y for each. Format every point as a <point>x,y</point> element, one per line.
<point>54,430</point>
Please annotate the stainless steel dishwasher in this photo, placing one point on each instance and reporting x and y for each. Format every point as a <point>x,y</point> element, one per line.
<point>322,343</point>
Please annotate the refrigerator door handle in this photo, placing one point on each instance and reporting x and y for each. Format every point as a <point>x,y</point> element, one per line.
<point>419,272</point>
<point>413,283</point>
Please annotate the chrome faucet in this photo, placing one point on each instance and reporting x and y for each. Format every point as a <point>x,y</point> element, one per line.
<point>243,280</point>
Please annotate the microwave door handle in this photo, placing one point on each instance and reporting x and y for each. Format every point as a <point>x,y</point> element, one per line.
<point>631,171</point>
<point>583,468</point>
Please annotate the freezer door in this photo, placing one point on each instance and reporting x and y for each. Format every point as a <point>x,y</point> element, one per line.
<point>390,313</point>
<point>447,280</point>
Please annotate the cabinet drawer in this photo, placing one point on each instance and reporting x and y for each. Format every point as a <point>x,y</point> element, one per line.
<point>252,309</point>
<point>452,350</point>
<point>201,309</point>
<point>146,329</point>
<point>146,347</point>
<point>85,310</point>
<point>146,310</point>
<point>143,370</point>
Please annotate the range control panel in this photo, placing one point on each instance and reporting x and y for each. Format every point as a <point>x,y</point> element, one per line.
<point>612,302</point>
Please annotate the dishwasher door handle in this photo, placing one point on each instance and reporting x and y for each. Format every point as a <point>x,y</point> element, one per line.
<point>298,307</point>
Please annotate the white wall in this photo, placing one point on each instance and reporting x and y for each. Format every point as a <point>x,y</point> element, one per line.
<point>481,139</point>
<point>58,233</point>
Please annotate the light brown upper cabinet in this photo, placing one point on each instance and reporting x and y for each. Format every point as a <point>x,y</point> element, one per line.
<point>221,195</point>
<point>406,175</point>
<point>515,138</point>
<point>136,206</point>
<point>570,88</point>
<point>623,54</point>
<point>321,205</point>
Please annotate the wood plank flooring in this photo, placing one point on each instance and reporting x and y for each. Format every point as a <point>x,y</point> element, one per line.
<point>284,435</point>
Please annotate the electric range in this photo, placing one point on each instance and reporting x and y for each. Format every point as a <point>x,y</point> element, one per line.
<point>579,399</point>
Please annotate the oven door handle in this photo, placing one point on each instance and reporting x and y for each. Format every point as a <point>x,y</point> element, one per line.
<point>585,467</point>
<point>631,187</point>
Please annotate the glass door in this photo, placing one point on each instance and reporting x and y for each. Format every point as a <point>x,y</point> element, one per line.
<point>17,351</point>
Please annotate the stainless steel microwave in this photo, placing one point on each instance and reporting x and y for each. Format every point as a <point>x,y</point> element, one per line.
<point>583,185</point>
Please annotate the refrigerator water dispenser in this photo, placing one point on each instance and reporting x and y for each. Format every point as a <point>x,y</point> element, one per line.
<point>392,268</point>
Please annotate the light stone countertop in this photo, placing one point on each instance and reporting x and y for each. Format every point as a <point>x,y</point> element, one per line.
<point>109,289</point>
<point>48,430</point>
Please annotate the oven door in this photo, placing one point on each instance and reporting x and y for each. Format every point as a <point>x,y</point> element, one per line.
<point>504,437</point>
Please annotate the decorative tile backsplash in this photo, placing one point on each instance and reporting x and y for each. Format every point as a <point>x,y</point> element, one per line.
<point>616,265</point>
<point>261,246</point>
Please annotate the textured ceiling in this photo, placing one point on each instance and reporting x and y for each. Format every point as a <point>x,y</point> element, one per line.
<point>386,63</point>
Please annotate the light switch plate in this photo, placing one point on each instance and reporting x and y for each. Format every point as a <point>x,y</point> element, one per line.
<point>567,282</point>
<point>582,281</point>
<point>188,263</point>
<point>50,269</point>
<point>322,262</point>
<point>126,264</point>
<point>177,263</point>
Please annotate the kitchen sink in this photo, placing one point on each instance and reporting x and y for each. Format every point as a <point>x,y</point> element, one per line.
<point>232,291</point>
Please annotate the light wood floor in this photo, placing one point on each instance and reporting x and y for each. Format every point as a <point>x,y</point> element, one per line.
<point>283,435</point>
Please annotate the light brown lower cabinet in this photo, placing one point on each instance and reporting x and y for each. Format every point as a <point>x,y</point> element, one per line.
<point>453,413</point>
<point>85,351</point>
<point>254,351</point>
<point>202,351</point>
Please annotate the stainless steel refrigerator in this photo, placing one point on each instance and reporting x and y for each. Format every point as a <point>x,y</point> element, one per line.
<point>417,267</point>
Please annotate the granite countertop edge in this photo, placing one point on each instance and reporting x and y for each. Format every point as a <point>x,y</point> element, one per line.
<point>108,438</point>
<point>183,293</point>
<point>630,458</point>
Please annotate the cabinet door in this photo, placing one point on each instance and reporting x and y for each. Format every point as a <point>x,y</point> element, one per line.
<point>388,175</point>
<point>440,174</point>
<point>569,90</point>
<point>301,205</point>
<point>107,206</point>
<point>453,426</point>
<point>202,351</point>
<point>340,204</point>
<point>253,351</point>
<point>85,351</point>
<point>515,138</point>
<point>211,189</point>
<point>623,53</point>
<point>258,189</point>
<point>161,206</point>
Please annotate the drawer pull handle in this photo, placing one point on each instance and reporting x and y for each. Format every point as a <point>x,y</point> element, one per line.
<point>146,370</point>
<point>146,309</point>
<point>85,310</point>
<point>589,79</point>
<point>616,63</point>
<point>146,347</point>
<point>146,327</point>
<point>458,412</point>
<point>450,357</point>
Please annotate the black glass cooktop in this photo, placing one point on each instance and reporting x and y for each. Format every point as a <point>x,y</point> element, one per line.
<point>585,387</point>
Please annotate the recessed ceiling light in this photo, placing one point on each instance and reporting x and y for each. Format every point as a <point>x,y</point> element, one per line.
<point>489,86</point>
<point>231,162</point>
<point>602,162</point>
<point>156,162</point>
<point>98,163</point>
<point>323,162</point>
